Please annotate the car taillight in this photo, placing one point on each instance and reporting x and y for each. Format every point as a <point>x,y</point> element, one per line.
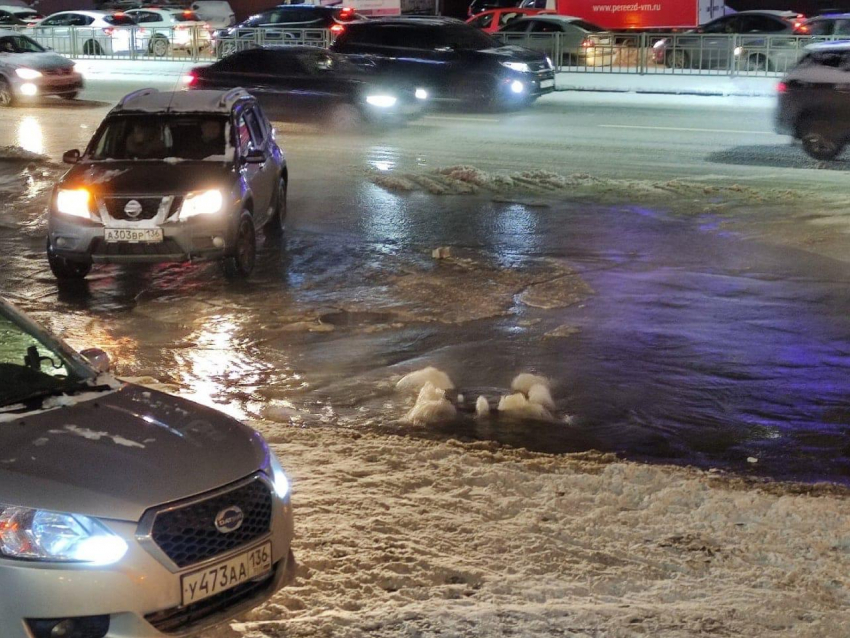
<point>799,27</point>
<point>337,29</point>
<point>782,88</point>
<point>346,12</point>
<point>189,79</point>
<point>587,43</point>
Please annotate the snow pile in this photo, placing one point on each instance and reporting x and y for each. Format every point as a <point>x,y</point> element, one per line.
<point>409,537</point>
<point>431,406</point>
<point>416,381</point>
<point>532,398</point>
<point>19,154</point>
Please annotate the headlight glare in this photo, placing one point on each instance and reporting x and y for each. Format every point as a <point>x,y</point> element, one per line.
<point>421,94</point>
<point>201,203</point>
<point>549,62</point>
<point>279,479</point>
<point>381,101</point>
<point>520,67</point>
<point>27,74</point>
<point>73,202</point>
<point>42,535</point>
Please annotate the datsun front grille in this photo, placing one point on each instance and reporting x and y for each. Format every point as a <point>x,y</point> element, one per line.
<point>116,207</point>
<point>188,534</point>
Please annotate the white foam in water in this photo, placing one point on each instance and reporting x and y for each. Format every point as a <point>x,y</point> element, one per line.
<point>416,381</point>
<point>540,395</point>
<point>524,382</point>
<point>482,407</point>
<point>431,406</point>
<point>518,405</point>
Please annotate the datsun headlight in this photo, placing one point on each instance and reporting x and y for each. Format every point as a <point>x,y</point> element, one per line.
<point>74,202</point>
<point>27,74</point>
<point>520,67</point>
<point>381,101</point>
<point>278,476</point>
<point>33,534</point>
<point>201,203</point>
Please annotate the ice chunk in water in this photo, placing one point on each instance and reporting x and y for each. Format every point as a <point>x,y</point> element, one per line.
<point>416,381</point>
<point>482,407</point>
<point>523,382</point>
<point>540,395</point>
<point>431,406</point>
<point>518,405</point>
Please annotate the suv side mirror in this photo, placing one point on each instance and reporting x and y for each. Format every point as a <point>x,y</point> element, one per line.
<point>71,157</point>
<point>98,359</point>
<point>255,156</point>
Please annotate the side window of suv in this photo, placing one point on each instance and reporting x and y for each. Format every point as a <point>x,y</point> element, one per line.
<point>255,128</point>
<point>56,21</point>
<point>842,27</point>
<point>243,136</point>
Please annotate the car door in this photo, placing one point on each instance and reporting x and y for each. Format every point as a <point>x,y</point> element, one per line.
<point>53,32</point>
<point>261,177</point>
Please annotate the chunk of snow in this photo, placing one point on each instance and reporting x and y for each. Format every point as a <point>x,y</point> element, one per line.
<point>94,435</point>
<point>539,394</point>
<point>415,381</point>
<point>752,459</point>
<point>482,407</point>
<point>431,406</point>
<point>523,382</point>
<point>518,405</point>
<point>441,253</point>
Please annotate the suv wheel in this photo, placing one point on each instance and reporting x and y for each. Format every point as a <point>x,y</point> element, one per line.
<point>819,140</point>
<point>241,263</point>
<point>63,268</point>
<point>678,60</point>
<point>278,221</point>
<point>159,47</point>
<point>6,97</point>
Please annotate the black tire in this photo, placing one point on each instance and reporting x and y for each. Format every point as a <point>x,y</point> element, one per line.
<point>226,48</point>
<point>65,269</point>
<point>820,140</point>
<point>757,63</point>
<point>7,98</point>
<point>159,47</point>
<point>677,60</point>
<point>92,48</point>
<point>240,264</point>
<point>277,223</point>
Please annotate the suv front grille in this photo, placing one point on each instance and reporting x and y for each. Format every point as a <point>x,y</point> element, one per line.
<point>188,535</point>
<point>115,206</point>
<point>178,619</point>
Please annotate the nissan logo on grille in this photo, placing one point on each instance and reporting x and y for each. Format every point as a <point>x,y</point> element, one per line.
<point>133,208</point>
<point>229,519</point>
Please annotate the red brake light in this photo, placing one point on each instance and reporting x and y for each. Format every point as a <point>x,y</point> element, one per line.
<point>337,28</point>
<point>120,14</point>
<point>189,79</point>
<point>346,11</point>
<point>782,87</point>
<point>187,13</point>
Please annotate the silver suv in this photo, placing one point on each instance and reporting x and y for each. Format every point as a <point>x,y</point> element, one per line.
<point>169,177</point>
<point>124,511</point>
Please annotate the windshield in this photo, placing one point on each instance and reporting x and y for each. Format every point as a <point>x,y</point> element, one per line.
<point>19,44</point>
<point>464,37</point>
<point>156,137</point>
<point>29,366</point>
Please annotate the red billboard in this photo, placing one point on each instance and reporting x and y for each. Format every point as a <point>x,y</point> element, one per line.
<point>620,15</point>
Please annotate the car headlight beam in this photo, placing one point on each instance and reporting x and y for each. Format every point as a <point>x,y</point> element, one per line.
<point>520,67</point>
<point>279,478</point>
<point>201,203</point>
<point>27,74</point>
<point>41,535</point>
<point>381,101</point>
<point>73,202</point>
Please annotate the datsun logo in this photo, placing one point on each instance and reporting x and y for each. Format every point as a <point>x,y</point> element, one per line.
<point>229,519</point>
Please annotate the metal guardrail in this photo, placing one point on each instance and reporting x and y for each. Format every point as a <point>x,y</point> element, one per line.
<point>679,54</point>
<point>166,43</point>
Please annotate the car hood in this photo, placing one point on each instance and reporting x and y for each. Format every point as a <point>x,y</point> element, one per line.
<point>116,455</point>
<point>38,61</point>
<point>514,54</point>
<point>149,177</point>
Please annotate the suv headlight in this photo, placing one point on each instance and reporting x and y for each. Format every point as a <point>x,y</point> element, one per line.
<point>520,67</point>
<point>27,74</point>
<point>381,101</point>
<point>201,203</point>
<point>33,534</point>
<point>278,476</point>
<point>73,202</point>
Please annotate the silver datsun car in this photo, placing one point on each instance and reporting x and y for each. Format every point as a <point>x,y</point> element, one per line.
<point>167,177</point>
<point>29,71</point>
<point>125,512</point>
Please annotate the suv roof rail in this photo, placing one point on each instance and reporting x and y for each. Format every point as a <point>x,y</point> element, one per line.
<point>134,95</point>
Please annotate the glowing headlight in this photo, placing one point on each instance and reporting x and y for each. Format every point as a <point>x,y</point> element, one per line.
<point>738,51</point>
<point>381,101</point>
<point>203,203</point>
<point>421,94</point>
<point>517,87</point>
<point>28,88</point>
<point>73,202</point>
<point>27,74</point>
<point>281,483</point>
<point>32,534</point>
<point>521,67</point>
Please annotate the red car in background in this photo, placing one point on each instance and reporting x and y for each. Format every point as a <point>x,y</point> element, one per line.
<point>494,19</point>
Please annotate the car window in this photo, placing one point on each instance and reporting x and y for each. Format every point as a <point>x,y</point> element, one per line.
<point>242,61</point>
<point>723,25</point>
<point>761,24</point>
<point>544,26</point>
<point>820,27</point>
<point>5,17</point>
<point>482,21</point>
<point>258,135</point>
<point>155,137</point>
<point>55,21</point>
<point>243,136</point>
<point>842,27</point>
<point>508,16</point>
<point>76,20</point>
<point>19,44</point>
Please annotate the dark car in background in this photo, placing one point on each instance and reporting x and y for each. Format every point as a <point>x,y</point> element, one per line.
<point>309,83</point>
<point>814,100</point>
<point>451,60</point>
<point>759,45</point>
<point>285,24</point>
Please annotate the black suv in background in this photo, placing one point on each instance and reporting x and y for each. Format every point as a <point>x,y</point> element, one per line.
<point>285,24</point>
<point>453,61</point>
<point>814,100</point>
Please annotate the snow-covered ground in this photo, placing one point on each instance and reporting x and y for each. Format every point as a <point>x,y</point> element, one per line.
<point>408,537</point>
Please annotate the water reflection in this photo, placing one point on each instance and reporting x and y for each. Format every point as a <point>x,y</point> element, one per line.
<point>30,136</point>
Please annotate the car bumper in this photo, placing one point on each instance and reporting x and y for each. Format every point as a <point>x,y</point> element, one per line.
<point>196,239</point>
<point>137,594</point>
<point>48,85</point>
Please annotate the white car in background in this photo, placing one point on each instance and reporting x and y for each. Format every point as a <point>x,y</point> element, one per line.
<point>168,30</point>
<point>217,13</point>
<point>90,33</point>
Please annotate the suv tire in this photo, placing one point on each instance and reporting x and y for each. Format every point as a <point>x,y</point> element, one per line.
<point>277,223</point>
<point>65,269</point>
<point>820,140</point>
<point>240,264</point>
